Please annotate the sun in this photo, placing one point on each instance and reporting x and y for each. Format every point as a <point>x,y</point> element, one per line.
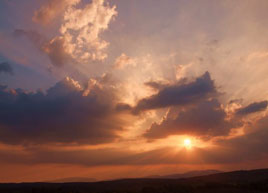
<point>187,143</point>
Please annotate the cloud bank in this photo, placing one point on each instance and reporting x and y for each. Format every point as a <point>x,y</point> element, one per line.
<point>67,113</point>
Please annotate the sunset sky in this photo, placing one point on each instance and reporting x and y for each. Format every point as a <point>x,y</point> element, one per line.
<point>110,89</point>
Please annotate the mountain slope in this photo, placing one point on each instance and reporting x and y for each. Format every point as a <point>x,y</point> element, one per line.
<point>187,174</point>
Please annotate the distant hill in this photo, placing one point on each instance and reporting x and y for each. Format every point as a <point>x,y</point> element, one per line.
<point>241,176</point>
<point>172,176</point>
<point>187,174</point>
<point>73,179</point>
<point>253,181</point>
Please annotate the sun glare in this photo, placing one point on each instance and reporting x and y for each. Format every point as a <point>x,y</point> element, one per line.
<point>187,143</point>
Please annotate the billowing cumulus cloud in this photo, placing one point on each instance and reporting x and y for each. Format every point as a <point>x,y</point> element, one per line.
<point>6,68</point>
<point>66,113</point>
<point>252,108</point>
<point>79,33</point>
<point>205,119</point>
<point>79,38</point>
<point>179,94</point>
<point>52,9</point>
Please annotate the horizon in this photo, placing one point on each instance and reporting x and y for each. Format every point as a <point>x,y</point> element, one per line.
<point>172,176</point>
<point>111,89</point>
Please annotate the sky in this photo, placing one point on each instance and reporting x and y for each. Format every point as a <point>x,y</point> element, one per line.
<point>111,89</point>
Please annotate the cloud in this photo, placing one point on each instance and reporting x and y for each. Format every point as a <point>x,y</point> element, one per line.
<point>6,68</point>
<point>250,146</point>
<point>79,33</point>
<point>204,119</point>
<point>252,108</point>
<point>123,107</point>
<point>51,10</point>
<point>56,51</point>
<point>81,29</point>
<point>67,113</point>
<point>123,60</point>
<point>179,94</point>
<point>157,85</point>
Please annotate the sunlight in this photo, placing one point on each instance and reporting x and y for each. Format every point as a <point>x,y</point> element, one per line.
<point>187,143</point>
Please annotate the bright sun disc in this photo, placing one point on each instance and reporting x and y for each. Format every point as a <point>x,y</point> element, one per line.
<point>187,143</point>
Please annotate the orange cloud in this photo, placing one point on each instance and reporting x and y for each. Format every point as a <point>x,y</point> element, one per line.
<point>79,39</point>
<point>52,9</point>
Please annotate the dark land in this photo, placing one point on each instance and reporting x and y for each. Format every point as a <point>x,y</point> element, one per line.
<point>253,181</point>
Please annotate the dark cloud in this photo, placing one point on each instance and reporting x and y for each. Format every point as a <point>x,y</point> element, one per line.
<point>156,85</point>
<point>252,108</point>
<point>123,107</point>
<point>235,101</point>
<point>204,119</point>
<point>61,115</point>
<point>179,94</point>
<point>6,68</point>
